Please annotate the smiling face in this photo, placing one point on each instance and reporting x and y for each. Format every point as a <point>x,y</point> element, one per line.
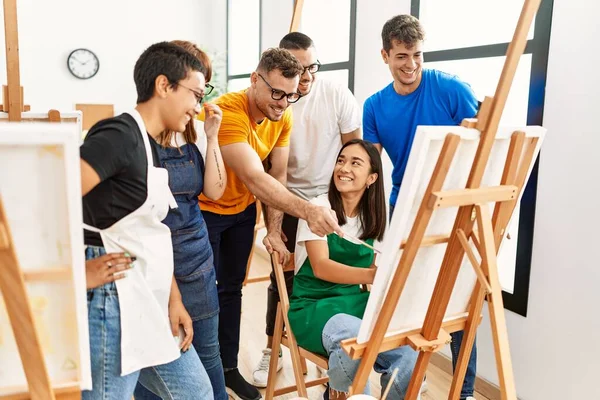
<point>183,101</point>
<point>307,58</point>
<point>405,64</point>
<point>352,172</point>
<point>273,84</point>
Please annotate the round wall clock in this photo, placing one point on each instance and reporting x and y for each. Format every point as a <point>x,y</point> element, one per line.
<point>83,63</point>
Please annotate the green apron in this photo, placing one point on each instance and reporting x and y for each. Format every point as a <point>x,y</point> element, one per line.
<point>314,301</point>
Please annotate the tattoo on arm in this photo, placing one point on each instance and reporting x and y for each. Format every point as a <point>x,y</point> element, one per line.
<point>220,183</point>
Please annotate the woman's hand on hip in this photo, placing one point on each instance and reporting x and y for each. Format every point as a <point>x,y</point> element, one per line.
<point>107,268</point>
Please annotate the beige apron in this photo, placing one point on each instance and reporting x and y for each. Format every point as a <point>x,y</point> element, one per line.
<point>146,338</point>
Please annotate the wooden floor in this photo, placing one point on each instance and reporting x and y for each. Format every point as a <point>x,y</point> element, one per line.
<point>253,340</point>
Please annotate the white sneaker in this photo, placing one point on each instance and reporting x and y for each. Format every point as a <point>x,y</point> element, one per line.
<point>424,386</point>
<point>470,398</point>
<point>322,373</point>
<point>261,372</point>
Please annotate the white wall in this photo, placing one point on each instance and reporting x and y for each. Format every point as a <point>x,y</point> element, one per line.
<point>117,31</point>
<point>371,74</point>
<point>276,19</point>
<point>555,351</point>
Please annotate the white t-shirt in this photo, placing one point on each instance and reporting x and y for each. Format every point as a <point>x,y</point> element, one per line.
<point>320,118</point>
<point>352,227</point>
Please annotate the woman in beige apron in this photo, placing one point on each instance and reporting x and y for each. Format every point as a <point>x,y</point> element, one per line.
<point>139,322</point>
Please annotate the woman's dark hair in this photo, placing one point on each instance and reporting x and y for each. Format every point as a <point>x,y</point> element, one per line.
<point>166,59</point>
<point>372,204</point>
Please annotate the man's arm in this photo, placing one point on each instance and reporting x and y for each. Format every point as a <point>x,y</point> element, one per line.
<point>273,241</point>
<point>463,101</point>
<point>279,159</point>
<point>355,134</point>
<point>369,125</point>
<point>246,164</point>
<point>348,115</point>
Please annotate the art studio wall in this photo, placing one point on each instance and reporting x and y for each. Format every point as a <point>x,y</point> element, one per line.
<point>116,31</point>
<point>553,357</point>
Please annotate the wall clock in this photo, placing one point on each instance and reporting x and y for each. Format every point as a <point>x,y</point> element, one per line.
<point>83,63</point>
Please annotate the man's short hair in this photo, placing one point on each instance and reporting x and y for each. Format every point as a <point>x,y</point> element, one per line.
<point>403,28</point>
<point>296,41</point>
<point>166,59</point>
<point>282,60</point>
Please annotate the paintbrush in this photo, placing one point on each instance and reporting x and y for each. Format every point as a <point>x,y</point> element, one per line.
<point>389,386</point>
<point>357,240</point>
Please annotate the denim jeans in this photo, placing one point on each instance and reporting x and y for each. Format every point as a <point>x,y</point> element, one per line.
<point>206,344</point>
<point>342,369</point>
<point>469,383</point>
<point>182,379</point>
<point>468,387</point>
<point>231,238</point>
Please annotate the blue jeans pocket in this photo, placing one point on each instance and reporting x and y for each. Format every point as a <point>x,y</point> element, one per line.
<point>199,293</point>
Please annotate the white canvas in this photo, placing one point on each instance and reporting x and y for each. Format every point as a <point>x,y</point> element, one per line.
<point>414,300</point>
<point>41,191</point>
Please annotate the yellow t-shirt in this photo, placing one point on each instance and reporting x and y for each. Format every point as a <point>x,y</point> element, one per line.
<point>238,127</point>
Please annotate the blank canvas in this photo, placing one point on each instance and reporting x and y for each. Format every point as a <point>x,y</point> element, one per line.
<point>414,300</point>
<point>41,192</point>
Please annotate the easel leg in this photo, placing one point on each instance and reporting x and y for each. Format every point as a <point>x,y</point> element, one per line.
<point>470,332</point>
<point>496,307</point>
<point>19,311</point>
<point>414,387</point>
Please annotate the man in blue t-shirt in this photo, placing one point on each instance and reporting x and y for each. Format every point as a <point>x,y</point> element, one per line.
<point>417,96</point>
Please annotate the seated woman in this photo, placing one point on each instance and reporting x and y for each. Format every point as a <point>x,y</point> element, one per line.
<point>327,304</point>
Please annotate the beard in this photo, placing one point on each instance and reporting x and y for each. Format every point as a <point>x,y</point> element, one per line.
<point>408,81</point>
<point>310,85</point>
<point>268,111</point>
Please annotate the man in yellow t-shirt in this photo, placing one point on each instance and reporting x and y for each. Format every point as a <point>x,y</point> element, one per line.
<point>256,125</point>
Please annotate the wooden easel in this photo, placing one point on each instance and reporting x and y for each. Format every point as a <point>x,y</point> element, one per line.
<point>12,284</point>
<point>473,206</point>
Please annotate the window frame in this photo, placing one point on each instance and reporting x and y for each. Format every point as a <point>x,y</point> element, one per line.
<point>344,65</point>
<point>538,47</point>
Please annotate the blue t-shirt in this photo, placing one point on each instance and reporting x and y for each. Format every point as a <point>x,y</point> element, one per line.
<point>391,119</point>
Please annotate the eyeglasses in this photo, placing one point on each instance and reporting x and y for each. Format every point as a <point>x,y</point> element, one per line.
<point>277,94</point>
<point>208,88</point>
<point>312,68</point>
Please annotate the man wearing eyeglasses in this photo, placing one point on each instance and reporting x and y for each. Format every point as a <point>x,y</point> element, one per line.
<point>326,117</point>
<point>256,125</point>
